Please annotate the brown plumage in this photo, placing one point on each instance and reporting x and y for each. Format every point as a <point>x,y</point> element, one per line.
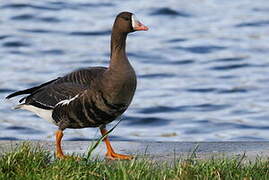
<point>90,97</point>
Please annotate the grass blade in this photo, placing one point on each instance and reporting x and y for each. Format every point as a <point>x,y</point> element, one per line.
<point>94,145</point>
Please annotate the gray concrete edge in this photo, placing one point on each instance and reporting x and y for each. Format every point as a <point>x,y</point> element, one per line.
<point>163,151</point>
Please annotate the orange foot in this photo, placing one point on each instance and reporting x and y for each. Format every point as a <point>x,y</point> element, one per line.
<point>114,156</point>
<point>110,152</point>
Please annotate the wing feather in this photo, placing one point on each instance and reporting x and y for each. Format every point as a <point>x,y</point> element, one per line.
<point>47,95</point>
<point>30,90</point>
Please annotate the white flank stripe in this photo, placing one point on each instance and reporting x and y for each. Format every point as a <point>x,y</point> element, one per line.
<point>43,113</point>
<point>66,101</point>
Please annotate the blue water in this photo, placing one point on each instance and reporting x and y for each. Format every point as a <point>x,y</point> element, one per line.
<point>203,67</point>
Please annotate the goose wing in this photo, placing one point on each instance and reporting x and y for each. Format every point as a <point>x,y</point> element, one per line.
<point>47,95</point>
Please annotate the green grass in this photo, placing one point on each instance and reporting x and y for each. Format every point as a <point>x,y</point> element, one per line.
<point>26,162</point>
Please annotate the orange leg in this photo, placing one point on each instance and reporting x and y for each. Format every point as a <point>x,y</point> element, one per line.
<point>110,152</point>
<point>59,152</point>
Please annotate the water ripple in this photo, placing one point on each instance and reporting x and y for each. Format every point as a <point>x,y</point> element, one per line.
<point>158,109</point>
<point>169,12</point>
<point>23,17</point>
<point>8,138</point>
<point>28,5</point>
<point>49,19</point>
<point>29,17</point>
<point>234,90</point>
<point>146,121</point>
<point>78,5</point>
<point>53,52</point>
<point>41,31</point>
<point>243,126</point>
<point>80,139</point>
<point>219,91</point>
<point>176,40</point>
<point>205,107</point>
<point>186,108</point>
<point>5,90</point>
<point>253,24</point>
<point>231,59</point>
<point>157,75</point>
<point>90,33</point>
<point>201,49</point>
<point>4,37</point>
<point>202,90</point>
<point>230,67</point>
<point>15,44</point>
<point>24,130</point>
<point>261,9</point>
<point>169,62</point>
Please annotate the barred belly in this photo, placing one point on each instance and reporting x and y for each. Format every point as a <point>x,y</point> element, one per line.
<point>86,111</point>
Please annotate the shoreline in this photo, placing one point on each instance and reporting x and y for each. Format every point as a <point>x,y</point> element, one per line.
<point>160,151</point>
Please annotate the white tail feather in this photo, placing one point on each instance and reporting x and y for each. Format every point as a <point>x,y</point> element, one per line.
<point>43,113</point>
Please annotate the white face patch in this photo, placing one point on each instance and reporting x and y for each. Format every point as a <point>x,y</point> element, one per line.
<point>134,21</point>
<point>137,25</point>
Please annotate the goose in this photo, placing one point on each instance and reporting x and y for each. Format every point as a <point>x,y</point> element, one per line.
<point>88,97</point>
